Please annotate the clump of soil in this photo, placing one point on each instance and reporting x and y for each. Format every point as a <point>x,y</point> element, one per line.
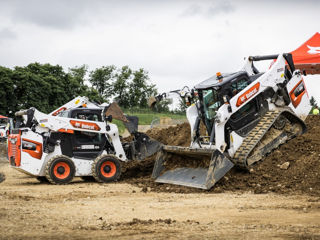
<point>176,161</point>
<point>137,169</point>
<point>177,136</point>
<point>302,176</point>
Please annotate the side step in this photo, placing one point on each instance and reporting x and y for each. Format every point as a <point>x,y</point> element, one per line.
<point>198,177</point>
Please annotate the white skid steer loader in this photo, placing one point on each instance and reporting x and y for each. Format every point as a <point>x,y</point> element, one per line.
<point>77,139</point>
<point>246,114</point>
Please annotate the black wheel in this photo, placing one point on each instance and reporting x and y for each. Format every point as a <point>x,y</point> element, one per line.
<point>42,179</point>
<point>280,123</point>
<point>60,170</point>
<point>88,178</point>
<point>106,168</point>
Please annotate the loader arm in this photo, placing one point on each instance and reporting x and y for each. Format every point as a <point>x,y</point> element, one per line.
<point>184,93</point>
<point>74,103</point>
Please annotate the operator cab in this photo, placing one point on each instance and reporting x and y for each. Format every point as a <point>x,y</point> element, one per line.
<point>82,144</point>
<point>214,91</point>
<point>89,114</point>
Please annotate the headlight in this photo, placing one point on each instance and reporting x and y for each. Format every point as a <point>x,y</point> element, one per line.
<point>28,145</point>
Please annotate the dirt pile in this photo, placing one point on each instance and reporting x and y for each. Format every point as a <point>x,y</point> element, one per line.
<point>177,136</point>
<point>301,157</point>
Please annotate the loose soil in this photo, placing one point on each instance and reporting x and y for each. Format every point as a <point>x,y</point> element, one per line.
<point>176,135</point>
<point>265,203</point>
<point>302,176</point>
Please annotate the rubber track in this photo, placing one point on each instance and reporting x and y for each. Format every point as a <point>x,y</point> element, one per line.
<point>254,137</point>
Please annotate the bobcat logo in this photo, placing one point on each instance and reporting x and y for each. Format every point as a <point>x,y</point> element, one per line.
<point>313,50</point>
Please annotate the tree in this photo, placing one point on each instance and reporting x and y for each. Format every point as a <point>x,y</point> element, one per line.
<point>33,86</point>
<point>182,107</point>
<point>47,87</point>
<point>140,89</point>
<point>77,81</point>
<point>121,85</point>
<point>79,73</point>
<point>162,106</point>
<point>92,94</point>
<point>7,98</point>
<point>101,80</point>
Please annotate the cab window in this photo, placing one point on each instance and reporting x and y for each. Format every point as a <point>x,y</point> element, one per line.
<point>87,116</point>
<point>211,103</point>
<point>239,85</point>
<point>63,114</point>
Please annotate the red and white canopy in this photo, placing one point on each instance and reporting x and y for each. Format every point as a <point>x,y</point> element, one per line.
<point>2,116</point>
<point>307,56</point>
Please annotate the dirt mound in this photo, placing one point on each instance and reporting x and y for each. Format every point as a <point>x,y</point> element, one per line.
<point>177,136</point>
<point>301,155</point>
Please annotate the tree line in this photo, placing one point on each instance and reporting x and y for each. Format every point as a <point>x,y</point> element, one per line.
<point>46,87</point>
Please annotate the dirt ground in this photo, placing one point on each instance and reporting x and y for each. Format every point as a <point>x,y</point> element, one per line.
<point>267,202</point>
<point>84,210</point>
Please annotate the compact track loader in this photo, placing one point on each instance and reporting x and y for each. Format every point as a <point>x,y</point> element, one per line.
<point>246,114</point>
<point>77,139</point>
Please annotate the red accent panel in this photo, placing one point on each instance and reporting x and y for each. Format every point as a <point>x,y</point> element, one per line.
<point>65,130</point>
<point>248,94</point>
<point>85,125</point>
<point>59,110</point>
<point>14,150</point>
<point>34,153</point>
<point>297,92</point>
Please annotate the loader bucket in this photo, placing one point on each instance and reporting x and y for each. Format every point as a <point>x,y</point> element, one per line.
<point>145,146</point>
<point>203,167</point>
<point>152,101</point>
<point>115,111</point>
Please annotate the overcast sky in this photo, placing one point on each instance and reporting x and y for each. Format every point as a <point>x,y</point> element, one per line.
<point>178,42</point>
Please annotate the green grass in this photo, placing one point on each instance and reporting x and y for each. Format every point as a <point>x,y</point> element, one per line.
<point>120,125</point>
<point>146,117</point>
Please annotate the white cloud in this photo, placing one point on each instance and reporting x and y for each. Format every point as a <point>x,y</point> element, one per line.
<point>6,34</point>
<point>178,42</point>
